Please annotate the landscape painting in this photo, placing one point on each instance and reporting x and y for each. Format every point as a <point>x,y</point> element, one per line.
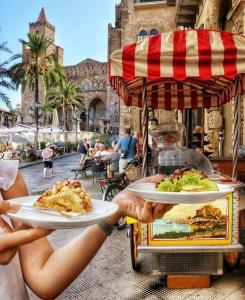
<point>203,223</point>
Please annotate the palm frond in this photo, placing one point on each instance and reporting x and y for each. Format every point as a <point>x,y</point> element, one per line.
<point>3,47</point>
<point>4,98</point>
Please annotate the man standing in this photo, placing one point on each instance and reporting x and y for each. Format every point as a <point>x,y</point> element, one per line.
<point>83,150</point>
<point>47,155</point>
<point>127,145</point>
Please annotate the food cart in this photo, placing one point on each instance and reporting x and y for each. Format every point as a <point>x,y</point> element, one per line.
<point>178,70</point>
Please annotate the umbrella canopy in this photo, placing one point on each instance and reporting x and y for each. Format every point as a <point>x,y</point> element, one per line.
<point>182,69</point>
<point>17,129</point>
<point>50,130</point>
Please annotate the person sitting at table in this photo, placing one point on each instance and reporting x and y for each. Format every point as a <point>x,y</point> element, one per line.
<point>37,262</point>
<point>96,144</point>
<point>102,152</point>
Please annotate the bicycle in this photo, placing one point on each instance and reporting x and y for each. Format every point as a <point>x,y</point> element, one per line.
<point>111,186</point>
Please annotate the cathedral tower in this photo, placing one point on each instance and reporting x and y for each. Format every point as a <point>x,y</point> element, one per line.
<point>27,97</point>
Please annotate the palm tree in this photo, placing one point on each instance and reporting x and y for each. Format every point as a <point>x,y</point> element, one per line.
<point>48,111</point>
<point>5,80</point>
<point>37,67</point>
<point>67,95</point>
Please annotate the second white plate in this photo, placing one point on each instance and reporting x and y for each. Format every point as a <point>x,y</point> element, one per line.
<point>148,191</point>
<point>35,217</point>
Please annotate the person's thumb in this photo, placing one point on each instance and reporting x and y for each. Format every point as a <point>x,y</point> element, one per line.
<point>6,206</point>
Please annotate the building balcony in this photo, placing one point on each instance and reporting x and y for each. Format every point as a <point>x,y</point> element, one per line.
<point>146,4</point>
<point>186,11</point>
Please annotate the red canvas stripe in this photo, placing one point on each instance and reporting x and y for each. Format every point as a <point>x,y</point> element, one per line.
<point>153,57</point>
<point>167,96</point>
<point>128,101</point>
<point>128,62</point>
<point>180,96</point>
<point>194,99</point>
<point>154,97</point>
<point>205,55</point>
<point>140,104</point>
<point>207,102</point>
<point>230,55</point>
<point>179,55</point>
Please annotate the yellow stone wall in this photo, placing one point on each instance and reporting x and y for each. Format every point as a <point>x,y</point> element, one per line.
<point>208,18</point>
<point>134,18</point>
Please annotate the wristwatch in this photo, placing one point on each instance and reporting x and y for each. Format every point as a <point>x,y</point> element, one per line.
<point>106,227</point>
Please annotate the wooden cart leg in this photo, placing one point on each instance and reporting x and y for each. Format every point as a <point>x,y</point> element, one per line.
<point>232,260</point>
<point>133,232</point>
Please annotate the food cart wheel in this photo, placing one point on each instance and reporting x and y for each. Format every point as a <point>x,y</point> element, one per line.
<point>232,260</point>
<point>134,231</point>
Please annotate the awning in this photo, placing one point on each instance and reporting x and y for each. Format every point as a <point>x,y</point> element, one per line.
<point>17,129</point>
<point>50,130</point>
<point>183,69</point>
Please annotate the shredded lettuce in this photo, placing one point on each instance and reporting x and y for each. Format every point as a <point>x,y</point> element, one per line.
<point>189,178</point>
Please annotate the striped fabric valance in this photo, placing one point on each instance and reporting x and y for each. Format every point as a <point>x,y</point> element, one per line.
<point>183,69</point>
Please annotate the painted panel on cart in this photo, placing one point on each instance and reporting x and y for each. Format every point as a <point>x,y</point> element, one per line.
<point>205,223</point>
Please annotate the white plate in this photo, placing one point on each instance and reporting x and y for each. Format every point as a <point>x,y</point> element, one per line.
<point>35,217</point>
<point>148,191</point>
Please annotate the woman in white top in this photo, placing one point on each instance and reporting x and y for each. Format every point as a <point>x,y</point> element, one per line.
<point>45,271</point>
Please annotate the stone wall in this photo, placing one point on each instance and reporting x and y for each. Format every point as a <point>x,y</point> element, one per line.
<point>131,19</point>
<point>91,76</point>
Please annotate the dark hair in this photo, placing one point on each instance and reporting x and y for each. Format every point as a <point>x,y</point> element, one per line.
<point>127,130</point>
<point>154,120</point>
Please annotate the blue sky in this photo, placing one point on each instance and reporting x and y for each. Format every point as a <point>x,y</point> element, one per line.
<point>81,27</point>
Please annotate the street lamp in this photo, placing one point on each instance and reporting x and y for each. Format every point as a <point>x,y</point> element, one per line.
<point>36,114</point>
<point>76,118</point>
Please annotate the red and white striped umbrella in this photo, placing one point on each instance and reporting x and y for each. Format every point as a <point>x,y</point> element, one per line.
<point>183,69</point>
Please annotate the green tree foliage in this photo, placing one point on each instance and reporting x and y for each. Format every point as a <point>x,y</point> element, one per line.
<point>5,78</point>
<point>67,96</point>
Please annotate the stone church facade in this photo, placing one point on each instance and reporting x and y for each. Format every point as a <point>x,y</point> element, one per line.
<point>100,112</point>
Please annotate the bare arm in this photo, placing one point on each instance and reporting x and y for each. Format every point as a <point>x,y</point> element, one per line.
<point>39,261</point>
<point>11,239</point>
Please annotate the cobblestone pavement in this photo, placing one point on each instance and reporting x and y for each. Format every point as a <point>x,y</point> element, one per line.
<point>109,275</point>
<point>62,169</point>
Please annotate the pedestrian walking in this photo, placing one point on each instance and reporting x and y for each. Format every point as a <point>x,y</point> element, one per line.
<point>82,148</point>
<point>127,146</point>
<point>47,155</point>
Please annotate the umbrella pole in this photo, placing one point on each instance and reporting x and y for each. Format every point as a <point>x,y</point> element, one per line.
<point>235,131</point>
<point>145,130</point>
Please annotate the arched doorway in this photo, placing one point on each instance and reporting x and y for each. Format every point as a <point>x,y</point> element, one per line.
<point>83,121</point>
<point>96,115</point>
